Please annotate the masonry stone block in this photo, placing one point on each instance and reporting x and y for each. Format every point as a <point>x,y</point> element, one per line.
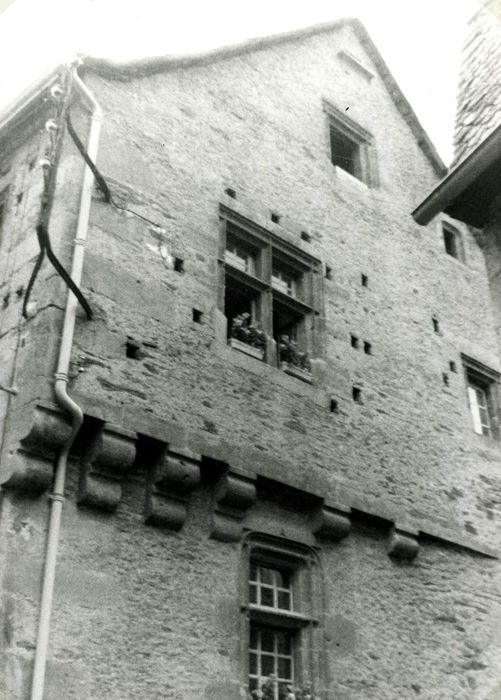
<point>28,465</point>
<point>108,457</point>
<point>234,494</point>
<point>175,475</point>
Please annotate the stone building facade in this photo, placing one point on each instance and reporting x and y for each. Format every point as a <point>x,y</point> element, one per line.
<point>312,497</point>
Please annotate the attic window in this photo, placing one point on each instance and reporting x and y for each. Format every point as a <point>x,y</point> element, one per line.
<point>452,242</point>
<point>351,147</point>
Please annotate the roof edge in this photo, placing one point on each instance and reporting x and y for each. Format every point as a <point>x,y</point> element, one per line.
<point>144,67</point>
<point>461,177</point>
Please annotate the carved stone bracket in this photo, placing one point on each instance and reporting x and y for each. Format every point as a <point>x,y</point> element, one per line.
<point>173,478</point>
<point>234,494</point>
<point>403,543</point>
<point>332,522</point>
<point>29,464</point>
<point>104,464</point>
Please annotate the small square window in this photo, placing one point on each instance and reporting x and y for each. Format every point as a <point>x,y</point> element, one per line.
<point>453,243</point>
<point>481,385</point>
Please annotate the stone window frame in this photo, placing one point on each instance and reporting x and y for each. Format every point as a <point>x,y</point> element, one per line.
<point>480,377</point>
<point>365,162</point>
<point>303,622</point>
<point>269,248</point>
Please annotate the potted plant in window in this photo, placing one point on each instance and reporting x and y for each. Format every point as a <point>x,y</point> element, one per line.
<point>292,360</point>
<point>288,692</point>
<point>247,336</point>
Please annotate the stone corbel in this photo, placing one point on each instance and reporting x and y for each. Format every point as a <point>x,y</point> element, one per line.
<point>234,494</point>
<point>331,522</point>
<point>29,465</point>
<point>175,475</point>
<point>403,543</point>
<point>104,464</point>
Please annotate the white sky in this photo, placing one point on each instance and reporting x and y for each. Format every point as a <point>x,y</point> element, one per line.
<point>420,40</point>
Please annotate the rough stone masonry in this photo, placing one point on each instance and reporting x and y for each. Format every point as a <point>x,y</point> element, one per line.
<point>365,486</point>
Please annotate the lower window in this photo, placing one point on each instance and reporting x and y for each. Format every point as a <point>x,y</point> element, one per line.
<point>281,628</point>
<point>271,654</point>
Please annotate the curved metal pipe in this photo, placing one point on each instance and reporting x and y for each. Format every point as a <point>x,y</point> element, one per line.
<point>67,403</point>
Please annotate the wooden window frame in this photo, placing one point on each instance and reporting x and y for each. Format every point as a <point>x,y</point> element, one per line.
<point>479,377</point>
<point>365,162</point>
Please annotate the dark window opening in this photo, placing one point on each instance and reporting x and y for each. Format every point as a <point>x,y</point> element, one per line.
<point>367,348</point>
<point>452,242</point>
<point>365,281</point>
<point>345,153</point>
<point>328,272</point>
<point>452,366</point>
<point>231,193</point>
<point>133,350</point>
<point>305,237</point>
<point>238,300</point>
<point>445,378</point>
<point>275,218</point>
<point>436,325</point>
<point>285,323</point>
<point>334,406</point>
<point>356,392</point>
<point>197,316</point>
<point>354,341</point>
<point>178,265</point>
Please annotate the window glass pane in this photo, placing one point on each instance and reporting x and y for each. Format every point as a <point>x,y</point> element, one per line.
<point>267,640</point>
<point>253,664</point>
<point>253,638</point>
<point>284,600</point>
<point>284,668</point>
<point>253,572</point>
<point>267,597</point>
<point>252,594</point>
<point>284,645</point>
<point>267,575</point>
<point>267,665</point>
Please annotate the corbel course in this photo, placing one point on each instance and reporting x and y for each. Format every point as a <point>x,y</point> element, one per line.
<point>174,476</point>
<point>29,465</point>
<point>234,494</point>
<point>104,463</point>
<point>403,543</point>
<point>331,522</point>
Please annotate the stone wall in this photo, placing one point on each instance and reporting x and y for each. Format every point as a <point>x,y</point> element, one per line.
<point>153,609</point>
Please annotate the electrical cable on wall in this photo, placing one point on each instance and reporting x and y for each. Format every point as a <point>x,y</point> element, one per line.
<point>101,182</point>
<point>55,129</point>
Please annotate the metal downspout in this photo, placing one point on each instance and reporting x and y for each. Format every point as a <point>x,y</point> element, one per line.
<point>57,497</point>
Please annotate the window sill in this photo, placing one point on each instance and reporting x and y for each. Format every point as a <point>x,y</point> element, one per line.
<point>277,617</point>
<point>301,374</point>
<point>257,353</point>
<point>351,179</point>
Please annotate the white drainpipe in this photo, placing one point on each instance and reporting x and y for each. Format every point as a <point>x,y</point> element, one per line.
<point>57,497</point>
